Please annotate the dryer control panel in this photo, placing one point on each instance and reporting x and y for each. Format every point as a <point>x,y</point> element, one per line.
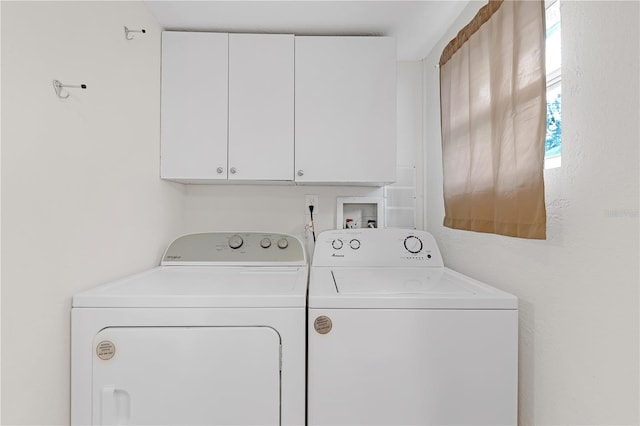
<point>377,247</point>
<point>237,249</point>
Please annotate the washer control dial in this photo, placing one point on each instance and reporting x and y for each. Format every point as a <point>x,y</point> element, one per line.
<point>265,243</point>
<point>413,244</point>
<point>235,242</point>
<point>354,244</point>
<point>337,244</point>
<point>283,243</point>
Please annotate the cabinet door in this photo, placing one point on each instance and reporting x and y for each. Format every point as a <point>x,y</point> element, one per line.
<point>261,106</point>
<point>194,105</point>
<point>345,109</point>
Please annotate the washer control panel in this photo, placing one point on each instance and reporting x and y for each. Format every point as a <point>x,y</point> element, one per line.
<point>376,247</point>
<point>338,243</point>
<point>238,248</point>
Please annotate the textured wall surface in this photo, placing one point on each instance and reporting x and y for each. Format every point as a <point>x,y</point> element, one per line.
<point>578,290</point>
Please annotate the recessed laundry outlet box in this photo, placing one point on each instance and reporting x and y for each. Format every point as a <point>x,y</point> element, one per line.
<point>359,212</point>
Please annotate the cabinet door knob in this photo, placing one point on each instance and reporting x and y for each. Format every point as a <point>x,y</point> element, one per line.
<point>233,170</point>
<point>300,172</point>
<point>219,170</point>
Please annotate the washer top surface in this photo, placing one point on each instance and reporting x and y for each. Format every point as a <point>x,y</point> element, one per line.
<point>368,281</point>
<point>217,270</point>
<point>392,268</point>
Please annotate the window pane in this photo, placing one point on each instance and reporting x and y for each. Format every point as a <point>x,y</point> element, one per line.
<point>554,121</point>
<point>553,58</point>
<point>553,46</point>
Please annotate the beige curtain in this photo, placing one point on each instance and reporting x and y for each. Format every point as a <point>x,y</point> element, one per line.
<point>493,106</point>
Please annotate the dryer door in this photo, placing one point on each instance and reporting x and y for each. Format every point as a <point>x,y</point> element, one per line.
<point>186,376</point>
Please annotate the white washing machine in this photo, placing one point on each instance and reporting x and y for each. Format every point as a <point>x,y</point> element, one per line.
<point>213,336</point>
<point>396,338</point>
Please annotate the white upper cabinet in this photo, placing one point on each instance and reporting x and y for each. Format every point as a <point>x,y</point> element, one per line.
<point>227,107</point>
<point>345,110</point>
<point>278,108</point>
<point>261,72</point>
<point>194,106</point>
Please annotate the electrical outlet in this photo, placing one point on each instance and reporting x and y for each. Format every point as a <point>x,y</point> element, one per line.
<point>311,200</point>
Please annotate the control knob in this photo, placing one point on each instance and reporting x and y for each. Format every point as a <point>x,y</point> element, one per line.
<point>336,244</point>
<point>413,244</point>
<point>235,241</point>
<point>265,243</point>
<point>283,243</point>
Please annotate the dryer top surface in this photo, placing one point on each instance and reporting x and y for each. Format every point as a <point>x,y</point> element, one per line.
<point>202,287</point>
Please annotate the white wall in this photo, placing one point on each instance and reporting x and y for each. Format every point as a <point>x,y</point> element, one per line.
<point>81,199</point>
<point>578,290</point>
<point>264,208</point>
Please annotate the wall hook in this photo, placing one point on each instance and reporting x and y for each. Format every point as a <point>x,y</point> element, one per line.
<point>127,31</point>
<point>58,86</point>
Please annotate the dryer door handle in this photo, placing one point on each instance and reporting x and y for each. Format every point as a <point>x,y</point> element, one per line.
<point>115,407</point>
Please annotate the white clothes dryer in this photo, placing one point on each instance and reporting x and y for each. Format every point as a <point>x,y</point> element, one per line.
<point>213,336</point>
<point>396,338</point>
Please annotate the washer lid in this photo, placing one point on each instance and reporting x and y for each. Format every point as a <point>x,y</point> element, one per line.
<point>386,281</point>
<point>202,287</point>
<point>409,288</point>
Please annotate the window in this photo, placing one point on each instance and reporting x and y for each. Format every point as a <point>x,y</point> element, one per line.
<point>493,121</point>
<point>553,141</point>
